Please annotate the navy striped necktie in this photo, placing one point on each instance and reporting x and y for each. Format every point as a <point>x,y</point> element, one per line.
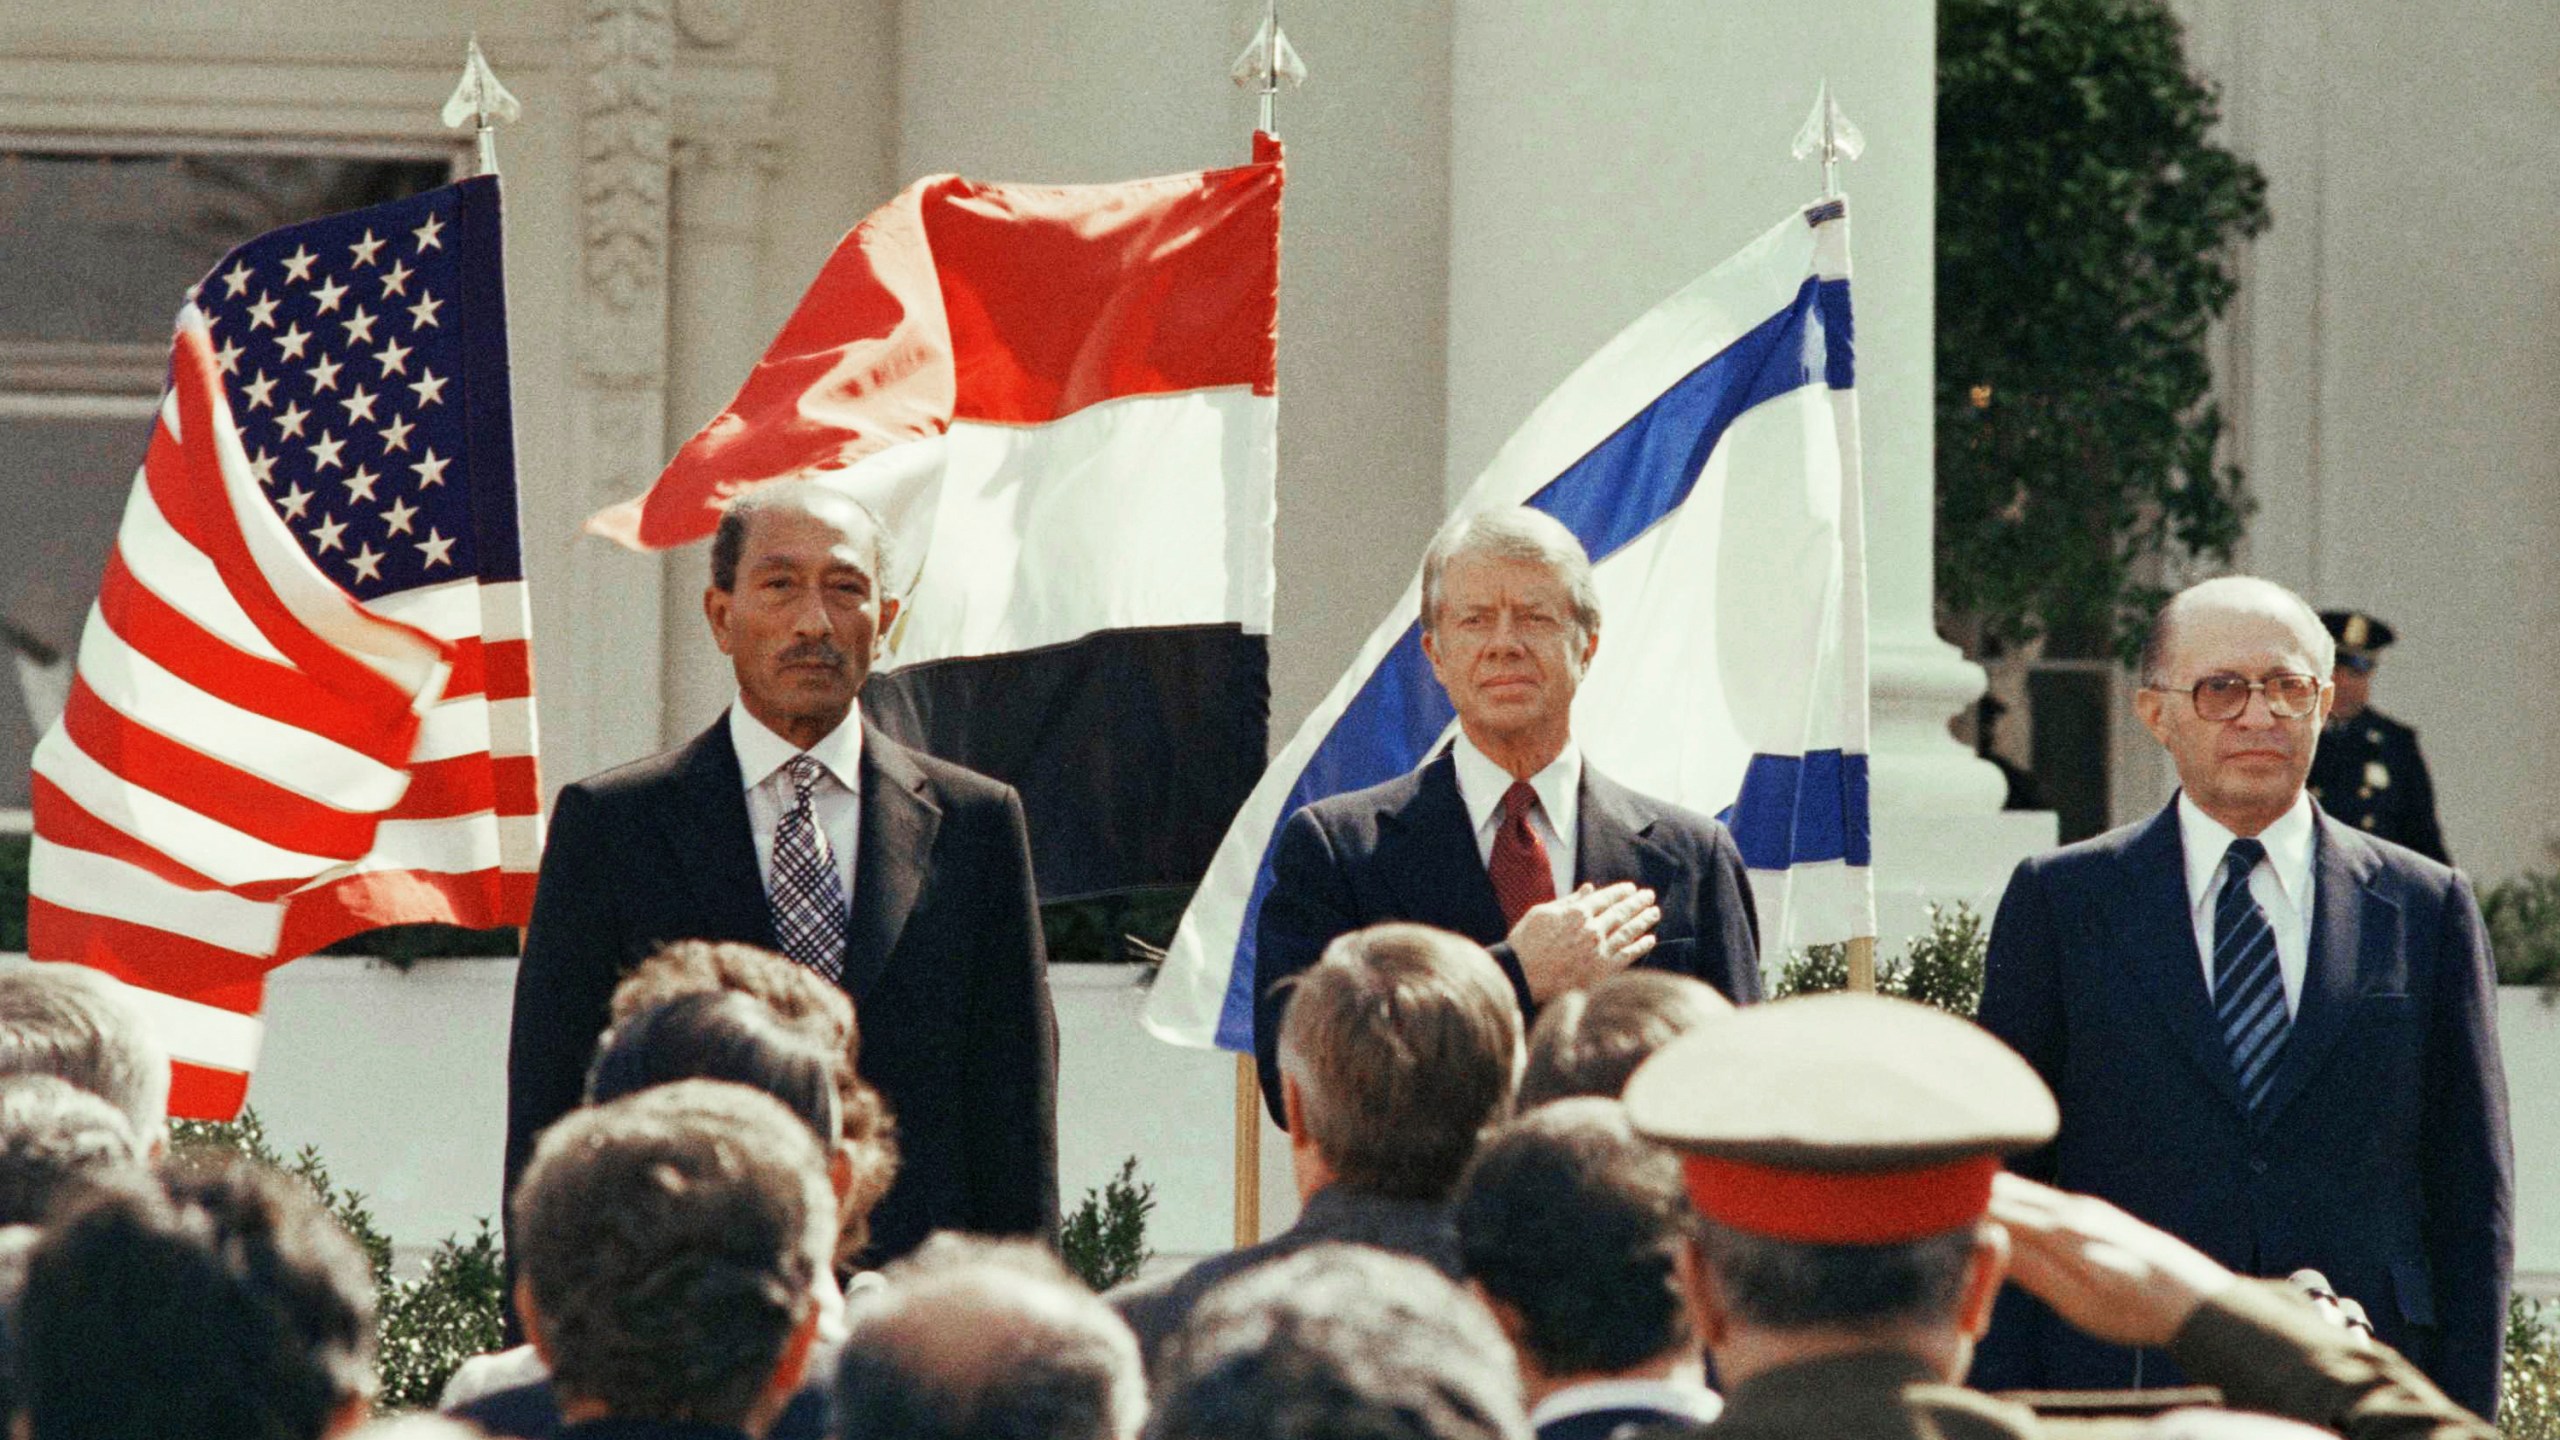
<point>2248,986</point>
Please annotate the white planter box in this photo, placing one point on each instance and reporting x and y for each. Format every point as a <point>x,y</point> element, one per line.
<point>399,1080</point>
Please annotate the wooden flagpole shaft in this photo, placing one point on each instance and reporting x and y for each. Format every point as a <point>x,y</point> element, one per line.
<point>1248,1153</point>
<point>1862,963</point>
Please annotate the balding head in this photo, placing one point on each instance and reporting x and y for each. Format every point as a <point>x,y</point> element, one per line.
<point>2235,595</point>
<point>2239,760</point>
<point>987,1340</point>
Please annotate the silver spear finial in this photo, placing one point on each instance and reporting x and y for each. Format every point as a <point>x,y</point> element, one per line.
<point>479,98</point>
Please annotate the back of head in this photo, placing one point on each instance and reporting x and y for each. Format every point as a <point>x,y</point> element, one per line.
<point>987,1340</point>
<point>667,1241</point>
<point>1588,1042</point>
<point>1404,1043</point>
<point>233,1306</point>
<point>1338,1342</point>
<point>808,1006</point>
<point>722,1036</point>
<point>75,1024</point>
<point>1571,1220</point>
<point>57,1141</point>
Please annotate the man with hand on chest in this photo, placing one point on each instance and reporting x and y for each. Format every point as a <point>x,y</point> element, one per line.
<point>793,824</point>
<point>1508,836</point>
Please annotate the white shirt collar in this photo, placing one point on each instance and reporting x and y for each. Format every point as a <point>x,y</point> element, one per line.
<point>1482,784</point>
<point>761,752</point>
<point>2288,843</point>
<point>1672,1397</point>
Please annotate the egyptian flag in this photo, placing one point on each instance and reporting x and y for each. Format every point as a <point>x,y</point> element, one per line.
<point>1060,399</point>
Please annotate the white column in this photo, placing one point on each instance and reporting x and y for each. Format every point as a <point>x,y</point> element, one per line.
<point>1601,160</point>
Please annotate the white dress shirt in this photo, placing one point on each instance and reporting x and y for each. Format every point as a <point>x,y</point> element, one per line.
<point>836,799</point>
<point>1689,1399</point>
<point>1482,784</point>
<point>2281,885</point>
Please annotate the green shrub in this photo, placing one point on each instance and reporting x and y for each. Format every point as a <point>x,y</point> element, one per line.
<point>423,1328</point>
<point>1105,1240</point>
<point>1113,929</point>
<point>2524,928</point>
<point>2529,1389</point>
<point>1940,967</point>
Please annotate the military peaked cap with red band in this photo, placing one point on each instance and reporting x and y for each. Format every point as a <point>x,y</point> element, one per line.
<point>1841,1119</point>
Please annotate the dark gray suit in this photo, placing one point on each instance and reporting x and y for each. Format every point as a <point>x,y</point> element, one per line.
<point>1405,850</point>
<point>943,960</point>
<point>1337,1214</point>
<point>2380,1156</point>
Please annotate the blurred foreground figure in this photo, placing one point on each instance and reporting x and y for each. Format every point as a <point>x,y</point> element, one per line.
<point>79,1025</point>
<point>232,1308</point>
<point>2270,1034</point>
<point>1572,1227</point>
<point>987,1340</point>
<point>1338,1341</point>
<point>1843,1155</point>
<point>1402,1045</point>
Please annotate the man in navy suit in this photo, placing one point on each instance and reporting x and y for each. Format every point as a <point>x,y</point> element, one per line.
<point>2270,1035</point>
<point>1508,837</point>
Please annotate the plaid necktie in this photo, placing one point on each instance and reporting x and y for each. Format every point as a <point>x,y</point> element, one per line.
<point>2248,988</point>
<point>1521,874</point>
<point>809,906</point>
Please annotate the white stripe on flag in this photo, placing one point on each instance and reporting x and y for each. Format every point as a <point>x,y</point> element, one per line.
<point>461,609</point>
<point>1141,512</point>
<point>161,561</point>
<point>98,885</point>
<point>464,727</point>
<point>200,1034</point>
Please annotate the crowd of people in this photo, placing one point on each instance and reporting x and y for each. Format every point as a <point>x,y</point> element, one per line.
<point>1782,1219</point>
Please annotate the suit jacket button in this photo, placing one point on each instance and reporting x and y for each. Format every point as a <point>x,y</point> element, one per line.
<point>2257,1165</point>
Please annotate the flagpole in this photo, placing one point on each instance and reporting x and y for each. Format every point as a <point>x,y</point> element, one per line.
<point>1828,135</point>
<point>1248,1153</point>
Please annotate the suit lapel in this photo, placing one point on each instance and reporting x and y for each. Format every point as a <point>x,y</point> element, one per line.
<point>2155,936</point>
<point>1427,856</point>
<point>899,821</point>
<point>717,850</point>
<point>1609,844</point>
<point>2349,921</point>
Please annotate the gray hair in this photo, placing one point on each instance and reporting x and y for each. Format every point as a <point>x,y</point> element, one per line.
<point>729,541</point>
<point>56,1141</point>
<point>75,1024</point>
<point>1784,1285</point>
<point>2157,640</point>
<point>1512,533</point>
<point>670,1239</point>
<point>1338,1340</point>
<point>975,1339</point>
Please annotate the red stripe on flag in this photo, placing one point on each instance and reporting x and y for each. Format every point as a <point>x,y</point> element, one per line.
<point>155,959</point>
<point>476,900</point>
<point>499,669</point>
<point>1015,304</point>
<point>464,785</point>
<point>201,1092</point>
<point>63,821</point>
<point>160,631</point>
<point>261,809</point>
<point>188,486</point>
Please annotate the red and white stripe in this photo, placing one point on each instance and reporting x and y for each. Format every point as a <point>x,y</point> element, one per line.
<point>253,764</point>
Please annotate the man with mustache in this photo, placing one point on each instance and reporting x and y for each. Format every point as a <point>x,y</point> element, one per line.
<point>1507,836</point>
<point>2271,1035</point>
<point>793,824</point>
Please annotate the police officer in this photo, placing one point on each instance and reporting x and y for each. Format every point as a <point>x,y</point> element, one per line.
<point>1843,1155</point>
<point>2368,772</point>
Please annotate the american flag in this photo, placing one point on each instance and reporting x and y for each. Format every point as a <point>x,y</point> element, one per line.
<point>304,700</point>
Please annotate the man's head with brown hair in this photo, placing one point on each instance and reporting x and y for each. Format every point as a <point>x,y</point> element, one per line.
<point>1402,1044</point>
<point>866,1161</point>
<point>1588,1042</point>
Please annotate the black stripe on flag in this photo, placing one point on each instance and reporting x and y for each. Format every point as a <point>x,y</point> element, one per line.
<point>1132,748</point>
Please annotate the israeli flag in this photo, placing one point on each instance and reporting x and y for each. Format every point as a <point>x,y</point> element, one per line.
<point>1708,460</point>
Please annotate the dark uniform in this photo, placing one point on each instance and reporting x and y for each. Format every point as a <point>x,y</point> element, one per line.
<point>1850,1120</point>
<point>2368,772</point>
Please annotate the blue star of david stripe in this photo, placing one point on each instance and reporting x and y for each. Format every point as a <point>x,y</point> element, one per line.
<point>807,892</point>
<point>2248,986</point>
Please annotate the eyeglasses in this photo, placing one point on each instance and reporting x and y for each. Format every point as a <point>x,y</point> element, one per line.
<point>2223,697</point>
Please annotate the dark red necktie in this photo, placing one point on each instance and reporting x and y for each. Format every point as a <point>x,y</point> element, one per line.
<point>1518,866</point>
